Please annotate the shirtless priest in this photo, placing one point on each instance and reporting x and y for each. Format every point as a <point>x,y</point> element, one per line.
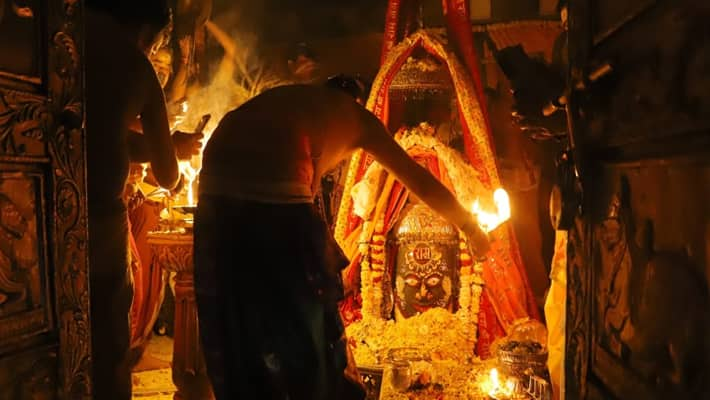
<point>267,273</point>
<point>121,85</point>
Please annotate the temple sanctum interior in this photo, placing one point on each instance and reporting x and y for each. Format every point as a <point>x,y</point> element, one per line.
<point>199,200</point>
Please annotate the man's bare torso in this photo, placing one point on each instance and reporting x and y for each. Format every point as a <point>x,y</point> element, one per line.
<point>115,76</point>
<point>292,133</point>
<point>287,134</point>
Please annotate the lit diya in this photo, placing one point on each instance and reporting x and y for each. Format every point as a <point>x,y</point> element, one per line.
<point>498,389</point>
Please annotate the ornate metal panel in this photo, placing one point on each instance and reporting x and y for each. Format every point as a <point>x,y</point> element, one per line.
<point>44,298</point>
<point>24,292</point>
<point>649,279</point>
<point>21,36</point>
<point>638,322</point>
<point>31,375</point>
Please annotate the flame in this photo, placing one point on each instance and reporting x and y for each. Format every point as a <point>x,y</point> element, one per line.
<point>190,174</point>
<point>191,168</point>
<point>495,388</point>
<point>223,93</point>
<point>489,221</point>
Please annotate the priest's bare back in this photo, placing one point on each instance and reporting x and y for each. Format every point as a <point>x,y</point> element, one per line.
<point>287,137</point>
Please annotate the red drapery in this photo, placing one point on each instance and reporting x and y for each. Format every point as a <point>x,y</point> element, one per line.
<point>507,295</point>
<point>148,278</point>
<point>458,24</point>
<point>400,18</point>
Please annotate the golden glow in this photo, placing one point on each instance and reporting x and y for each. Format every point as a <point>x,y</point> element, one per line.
<point>190,169</point>
<point>190,174</point>
<point>491,220</point>
<point>494,387</point>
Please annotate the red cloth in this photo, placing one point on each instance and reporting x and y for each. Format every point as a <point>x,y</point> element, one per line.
<point>391,25</point>
<point>507,294</point>
<point>458,23</point>
<point>489,326</point>
<point>148,277</point>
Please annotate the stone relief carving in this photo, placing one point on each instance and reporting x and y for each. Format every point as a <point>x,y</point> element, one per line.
<point>33,376</point>
<point>20,117</point>
<point>652,306</point>
<point>578,317</point>
<point>42,131</point>
<point>613,301</point>
<point>66,149</point>
<point>21,281</point>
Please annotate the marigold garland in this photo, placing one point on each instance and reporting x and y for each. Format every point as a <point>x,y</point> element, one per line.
<point>374,256</point>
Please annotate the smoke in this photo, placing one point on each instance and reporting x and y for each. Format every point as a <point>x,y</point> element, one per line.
<point>236,72</point>
<point>241,34</point>
<point>293,21</point>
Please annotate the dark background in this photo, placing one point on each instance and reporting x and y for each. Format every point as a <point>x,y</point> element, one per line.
<point>279,21</point>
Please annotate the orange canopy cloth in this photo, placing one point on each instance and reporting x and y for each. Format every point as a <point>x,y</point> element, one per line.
<point>505,287</point>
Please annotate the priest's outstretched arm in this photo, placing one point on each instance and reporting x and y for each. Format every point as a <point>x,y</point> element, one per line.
<point>376,140</point>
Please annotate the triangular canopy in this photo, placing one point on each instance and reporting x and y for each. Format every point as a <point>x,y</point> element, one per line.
<point>506,288</point>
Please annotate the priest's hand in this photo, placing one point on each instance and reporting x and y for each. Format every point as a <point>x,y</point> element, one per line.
<point>182,181</point>
<point>187,144</point>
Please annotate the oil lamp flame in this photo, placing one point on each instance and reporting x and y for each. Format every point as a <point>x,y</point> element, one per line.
<point>190,174</point>
<point>497,389</point>
<point>488,220</point>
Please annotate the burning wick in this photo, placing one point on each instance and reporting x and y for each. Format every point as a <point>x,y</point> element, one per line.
<point>489,221</point>
<point>186,168</point>
<point>190,175</point>
<point>496,389</point>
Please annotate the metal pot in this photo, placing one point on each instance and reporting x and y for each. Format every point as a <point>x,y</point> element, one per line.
<point>372,378</point>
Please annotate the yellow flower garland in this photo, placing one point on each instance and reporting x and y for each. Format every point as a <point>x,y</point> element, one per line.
<point>467,182</point>
<point>467,100</point>
<point>372,268</point>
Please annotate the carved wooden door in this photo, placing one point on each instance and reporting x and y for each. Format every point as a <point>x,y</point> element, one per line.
<point>639,255</point>
<point>44,301</point>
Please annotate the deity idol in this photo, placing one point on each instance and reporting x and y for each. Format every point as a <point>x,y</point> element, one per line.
<point>393,274</point>
<point>426,262</point>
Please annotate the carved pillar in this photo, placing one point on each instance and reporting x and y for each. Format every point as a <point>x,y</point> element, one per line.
<point>173,252</point>
<point>45,331</point>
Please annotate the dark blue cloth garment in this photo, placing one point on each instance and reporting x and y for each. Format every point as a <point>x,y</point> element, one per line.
<point>267,282</point>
